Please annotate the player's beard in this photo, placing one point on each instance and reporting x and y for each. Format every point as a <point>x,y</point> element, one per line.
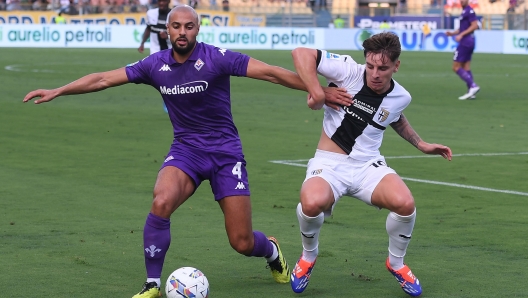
<point>183,50</point>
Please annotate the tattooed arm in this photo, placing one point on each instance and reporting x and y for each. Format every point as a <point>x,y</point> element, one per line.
<point>405,130</point>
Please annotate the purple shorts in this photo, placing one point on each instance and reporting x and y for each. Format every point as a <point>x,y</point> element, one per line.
<point>226,172</point>
<point>463,53</point>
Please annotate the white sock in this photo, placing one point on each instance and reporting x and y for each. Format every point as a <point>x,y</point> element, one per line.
<point>310,228</point>
<point>157,280</point>
<point>275,253</point>
<point>400,230</point>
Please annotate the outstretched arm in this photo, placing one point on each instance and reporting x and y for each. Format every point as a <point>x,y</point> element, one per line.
<point>275,74</point>
<point>90,83</point>
<point>405,130</point>
<point>278,75</point>
<point>305,61</point>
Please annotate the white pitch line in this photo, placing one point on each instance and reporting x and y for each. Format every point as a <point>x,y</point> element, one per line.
<point>298,163</point>
<point>467,186</point>
<point>294,161</point>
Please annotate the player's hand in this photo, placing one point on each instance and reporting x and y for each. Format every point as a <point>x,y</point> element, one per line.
<point>437,149</point>
<point>141,48</point>
<point>313,103</point>
<point>164,35</point>
<point>458,38</point>
<point>449,33</point>
<point>45,95</point>
<point>337,97</point>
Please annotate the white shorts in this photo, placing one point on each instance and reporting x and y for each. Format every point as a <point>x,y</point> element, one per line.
<point>346,176</point>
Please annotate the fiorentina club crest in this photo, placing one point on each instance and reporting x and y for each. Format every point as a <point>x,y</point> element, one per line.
<point>198,65</point>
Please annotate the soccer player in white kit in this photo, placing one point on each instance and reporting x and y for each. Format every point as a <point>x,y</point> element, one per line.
<point>347,161</point>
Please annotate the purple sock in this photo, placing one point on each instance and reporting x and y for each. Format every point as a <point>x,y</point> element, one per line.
<point>466,77</point>
<point>156,242</point>
<point>262,247</point>
<point>471,75</point>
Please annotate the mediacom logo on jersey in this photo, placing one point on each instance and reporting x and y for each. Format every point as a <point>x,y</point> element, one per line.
<point>186,88</point>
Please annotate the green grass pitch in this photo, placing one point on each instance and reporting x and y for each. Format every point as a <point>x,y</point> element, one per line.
<point>76,178</point>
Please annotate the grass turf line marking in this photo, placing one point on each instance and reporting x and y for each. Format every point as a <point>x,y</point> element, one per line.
<point>467,186</point>
<point>299,163</point>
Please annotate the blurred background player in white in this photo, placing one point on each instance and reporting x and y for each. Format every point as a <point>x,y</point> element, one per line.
<point>466,45</point>
<point>156,30</point>
<point>347,161</point>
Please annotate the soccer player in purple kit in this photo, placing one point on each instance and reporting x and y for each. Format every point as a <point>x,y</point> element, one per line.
<point>466,45</point>
<point>193,80</point>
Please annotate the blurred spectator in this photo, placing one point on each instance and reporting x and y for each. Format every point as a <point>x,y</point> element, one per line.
<point>205,21</point>
<point>213,4</point>
<point>144,5</point>
<point>71,8</point>
<point>384,25</point>
<point>40,5</point>
<point>193,3</point>
<point>402,6</point>
<point>59,19</point>
<point>130,6</point>
<point>339,23</point>
<point>225,5</point>
<point>311,3</point>
<point>331,24</point>
<point>322,4</point>
<point>63,4</point>
<point>2,5</point>
<point>84,6</point>
<point>13,5</point>
<point>512,6</point>
<point>95,6</point>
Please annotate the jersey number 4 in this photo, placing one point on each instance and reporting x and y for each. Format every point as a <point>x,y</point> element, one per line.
<point>237,170</point>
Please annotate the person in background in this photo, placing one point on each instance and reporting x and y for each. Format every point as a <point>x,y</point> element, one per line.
<point>384,25</point>
<point>331,24</point>
<point>339,23</point>
<point>156,30</point>
<point>205,21</point>
<point>59,19</point>
<point>465,37</point>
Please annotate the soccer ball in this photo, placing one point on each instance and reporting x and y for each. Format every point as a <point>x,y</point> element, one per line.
<point>187,282</point>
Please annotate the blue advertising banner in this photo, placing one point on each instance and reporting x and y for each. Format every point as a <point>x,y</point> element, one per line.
<point>414,40</point>
<point>399,22</point>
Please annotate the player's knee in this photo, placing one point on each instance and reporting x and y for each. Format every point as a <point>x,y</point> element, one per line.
<point>456,68</point>
<point>404,205</point>
<point>162,206</point>
<point>242,245</point>
<point>312,206</point>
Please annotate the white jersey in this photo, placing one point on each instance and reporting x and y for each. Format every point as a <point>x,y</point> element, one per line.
<point>157,23</point>
<point>358,129</point>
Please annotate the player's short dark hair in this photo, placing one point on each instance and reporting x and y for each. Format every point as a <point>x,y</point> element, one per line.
<point>386,43</point>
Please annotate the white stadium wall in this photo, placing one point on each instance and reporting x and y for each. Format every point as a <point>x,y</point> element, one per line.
<point>129,36</point>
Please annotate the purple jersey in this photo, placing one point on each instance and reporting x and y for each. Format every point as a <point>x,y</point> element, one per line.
<point>466,18</point>
<point>196,93</point>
